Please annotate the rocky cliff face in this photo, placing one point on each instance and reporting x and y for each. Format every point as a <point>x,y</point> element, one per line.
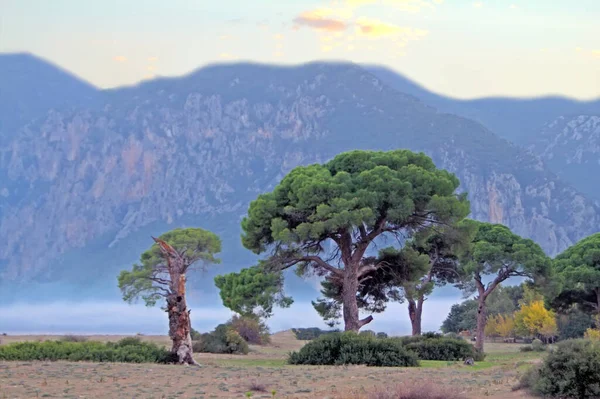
<point>206,144</point>
<point>571,147</point>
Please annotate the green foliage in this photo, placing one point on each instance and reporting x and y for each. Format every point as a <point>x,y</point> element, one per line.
<point>252,291</point>
<point>573,324</point>
<point>308,334</point>
<point>570,371</point>
<point>128,350</point>
<point>351,348</point>
<point>355,188</point>
<point>195,334</point>
<point>463,316</point>
<point>150,280</point>
<point>498,252</point>
<point>251,329</point>
<point>578,269</point>
<point>432,346</point>
<point>349,201</point>
<point>223,339</point>
<point>537,345</point>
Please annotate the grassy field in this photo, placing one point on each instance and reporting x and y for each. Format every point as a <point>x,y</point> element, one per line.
<point>262,372</point>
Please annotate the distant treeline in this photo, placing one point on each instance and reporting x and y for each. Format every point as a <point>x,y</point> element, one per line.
<point>308,334</point>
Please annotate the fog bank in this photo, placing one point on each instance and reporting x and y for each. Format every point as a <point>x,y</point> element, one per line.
<point>113,317</point>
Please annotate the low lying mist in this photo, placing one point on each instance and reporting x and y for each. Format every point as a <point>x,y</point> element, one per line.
<point>112,317</point>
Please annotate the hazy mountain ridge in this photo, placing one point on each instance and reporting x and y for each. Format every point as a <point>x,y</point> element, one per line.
<point>518,120</point>
<point>204,145</point>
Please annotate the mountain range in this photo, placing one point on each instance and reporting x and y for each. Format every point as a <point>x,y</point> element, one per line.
<point>87,175</point>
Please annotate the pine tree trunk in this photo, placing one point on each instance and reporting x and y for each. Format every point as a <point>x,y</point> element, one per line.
<point>415,311</point>
<point>179,325</point>
<point>349,303</point>
<point>481,321</point>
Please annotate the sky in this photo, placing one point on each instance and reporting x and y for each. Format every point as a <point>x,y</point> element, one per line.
<point>458,48</point>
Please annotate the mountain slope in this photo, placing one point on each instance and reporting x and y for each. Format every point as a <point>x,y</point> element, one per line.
<point>30,87</point>
<point>197,149</point>
<point>571,146</point>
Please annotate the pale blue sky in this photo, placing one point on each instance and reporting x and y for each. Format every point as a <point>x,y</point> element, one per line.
<point>461,48</point>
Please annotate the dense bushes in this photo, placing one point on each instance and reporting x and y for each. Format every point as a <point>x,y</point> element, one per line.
<point>449,349</point>
<point>252,330</point>
<point>129,350</point>
<point>351,348</point>
<point>433,346</point>
<point>222,340</point>
<point>308,334</point>
<point>570,371</point>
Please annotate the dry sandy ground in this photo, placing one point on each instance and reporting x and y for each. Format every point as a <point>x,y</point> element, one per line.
<point>262,372</point>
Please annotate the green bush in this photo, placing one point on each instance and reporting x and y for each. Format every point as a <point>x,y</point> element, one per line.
<point>352,348</point>
<point>433,346</point>
<point>572,370</point>
<point>308,334</point>
<point>222,340</point>
<point>195,335</point>
<point>128,350</point>
<point>73,338</point>
<point>536,346</point>
<point>252,330</point>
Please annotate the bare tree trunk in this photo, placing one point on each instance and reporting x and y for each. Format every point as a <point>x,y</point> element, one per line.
<point>179,325</point>
<point>415,311</point>
<point>481,321</point>
<point>349,303</point>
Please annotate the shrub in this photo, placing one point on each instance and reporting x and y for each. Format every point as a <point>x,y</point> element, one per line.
<point>221,340</point>
<point>73,338</point>
<point>536,346</point>
<point>128,350</point>
<point>308,334</point>
<point>592,334</point>
<point>416,391</point>
<point>527,348</point>
<point>452,335</point>
<point>570,371</point>
<point>382,335</point>
<point>252,330</point>
<point>448,349</point>
<point>432,346</point>
<point>195,335</point>
<point>351,348</point>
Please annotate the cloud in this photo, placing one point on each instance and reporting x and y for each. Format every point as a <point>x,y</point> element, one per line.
<point>375,28</point>
<point>320,20</point>
<point>120,58</point>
